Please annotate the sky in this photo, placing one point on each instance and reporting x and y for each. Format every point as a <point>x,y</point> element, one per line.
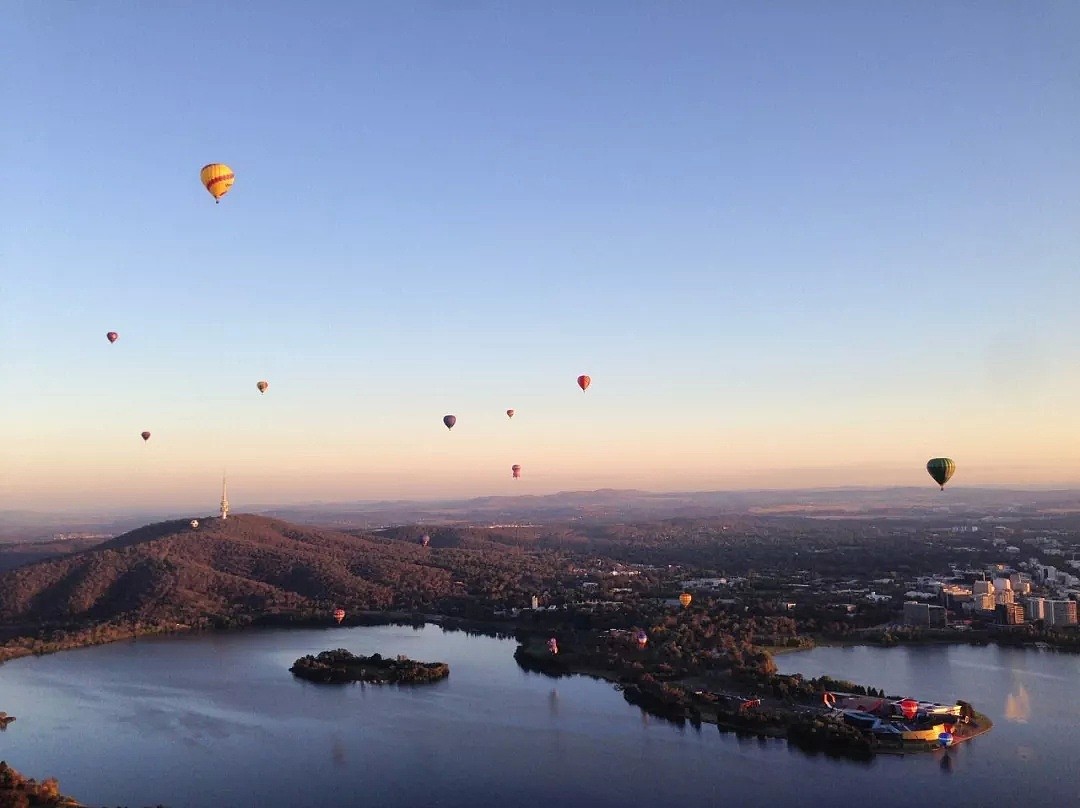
<point>793,245</point>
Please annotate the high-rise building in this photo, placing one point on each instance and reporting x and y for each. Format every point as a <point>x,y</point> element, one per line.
<point>1009,614</point>
<point>1035,609</point>
<point>1061,613</point>
<point>985,603</point>
<point>923,614</point>
<point>983,588</point>
<point>1018,579</point>
<point>1004,596</point>
<point>916,614</point>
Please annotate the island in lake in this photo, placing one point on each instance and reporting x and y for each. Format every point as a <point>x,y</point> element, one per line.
<point>343,666</point>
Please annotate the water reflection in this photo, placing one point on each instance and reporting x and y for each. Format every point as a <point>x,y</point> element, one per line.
<point>337,752</point>
<point>946,764</point>
<point>553,703</point>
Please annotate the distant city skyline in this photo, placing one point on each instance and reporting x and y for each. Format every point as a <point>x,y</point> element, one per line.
<point>792,246</point>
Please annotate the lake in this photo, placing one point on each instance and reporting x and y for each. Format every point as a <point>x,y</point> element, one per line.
<point>218,720</point>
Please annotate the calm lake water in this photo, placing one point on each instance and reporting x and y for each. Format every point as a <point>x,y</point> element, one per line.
<point>218,721</point>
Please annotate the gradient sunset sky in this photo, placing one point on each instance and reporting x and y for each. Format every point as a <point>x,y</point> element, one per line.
<point>794,244</point>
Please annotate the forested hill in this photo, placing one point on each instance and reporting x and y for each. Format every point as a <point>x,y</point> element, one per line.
<point>232,571</point>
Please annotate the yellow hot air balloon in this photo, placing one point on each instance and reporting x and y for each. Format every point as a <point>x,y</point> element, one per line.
<point>685,599</point>
<point>218,179</point>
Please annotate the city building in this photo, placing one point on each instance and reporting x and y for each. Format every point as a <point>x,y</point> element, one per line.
<point>1061,613</point>
<point>1035,608</point>
<point>923,614</point>
<point>955,597</point>
<point>1009,614</point>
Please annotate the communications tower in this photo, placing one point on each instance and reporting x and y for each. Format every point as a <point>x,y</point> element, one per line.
<point>224,499</point>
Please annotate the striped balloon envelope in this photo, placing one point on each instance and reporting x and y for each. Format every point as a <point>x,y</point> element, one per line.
<point>218,179</point>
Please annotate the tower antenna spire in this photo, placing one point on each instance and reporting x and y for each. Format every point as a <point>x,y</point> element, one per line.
<point>224,497</point>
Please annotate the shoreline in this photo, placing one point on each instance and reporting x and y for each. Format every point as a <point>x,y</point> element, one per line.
<point>16,647</point>
<point>744,709</point>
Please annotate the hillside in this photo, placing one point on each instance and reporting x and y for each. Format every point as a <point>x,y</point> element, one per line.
<point>19,553</point>
<point>229,572</point>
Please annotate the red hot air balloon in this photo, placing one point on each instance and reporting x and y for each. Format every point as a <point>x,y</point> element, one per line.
<point>516,469</point>
<point>509,413</point>
<point>909,707</point>
<point>339,615</point>
<point>112,336</point>
<point>146,436</point>
<point>553,646</point>
<point>449,420</point>
<point>583,382</point>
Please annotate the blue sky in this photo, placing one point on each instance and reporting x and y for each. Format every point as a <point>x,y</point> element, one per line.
<point>794,244</point>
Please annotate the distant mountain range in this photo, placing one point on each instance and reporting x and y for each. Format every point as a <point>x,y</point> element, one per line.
<point>603,505</point>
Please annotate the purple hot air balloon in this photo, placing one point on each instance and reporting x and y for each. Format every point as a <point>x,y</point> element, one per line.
<point>449,420</point>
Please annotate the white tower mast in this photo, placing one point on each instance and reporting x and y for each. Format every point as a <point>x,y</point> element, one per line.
<point>224,499</point>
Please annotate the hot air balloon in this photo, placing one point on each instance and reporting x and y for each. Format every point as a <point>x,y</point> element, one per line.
<point>449,420</point>
<point>112,336</point>
<point>583,382</point>
<point>194,524</point>
<point>146,436</point>
<point>941,469</point>
<point>218,179</point>
<point>339,615</point>
<point>517,470</point>
<point>553,646</point>
<point>425,540</point>
<point>945,739</point>
<point>685,598</point>
<point>909,707</point>
<point>509,413</point>
<point>641,638</point>
<point>262,387</point>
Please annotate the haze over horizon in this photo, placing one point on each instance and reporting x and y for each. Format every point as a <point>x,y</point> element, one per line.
<point>793,247</point>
